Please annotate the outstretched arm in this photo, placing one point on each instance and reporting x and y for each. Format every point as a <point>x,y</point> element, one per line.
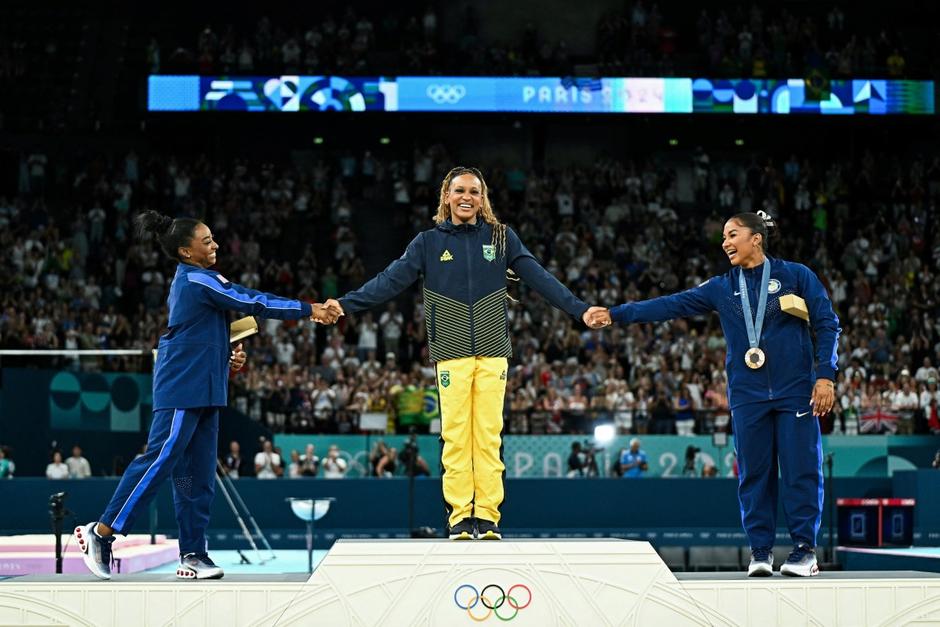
<point>228,296</point>
<point>692,302</point>
<point>387,284</point>
<point>524,264</point>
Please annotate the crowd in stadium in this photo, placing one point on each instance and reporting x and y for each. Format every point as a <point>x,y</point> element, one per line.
<point>613,231</point>
<point>641,38</point>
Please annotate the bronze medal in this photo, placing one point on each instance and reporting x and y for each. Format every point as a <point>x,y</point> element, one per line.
<point>754,358</point>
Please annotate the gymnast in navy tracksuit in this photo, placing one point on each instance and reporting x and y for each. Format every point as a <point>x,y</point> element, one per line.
<point>190,384</point>
<point>778,384</point>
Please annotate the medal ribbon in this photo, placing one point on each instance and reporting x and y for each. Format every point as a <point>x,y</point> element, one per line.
<point>753,326</point>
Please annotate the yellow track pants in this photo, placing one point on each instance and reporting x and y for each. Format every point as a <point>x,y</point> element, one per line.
<point>471,391</point>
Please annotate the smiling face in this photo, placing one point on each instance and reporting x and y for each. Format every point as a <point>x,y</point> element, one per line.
<point>743,246</point>
<point>465,199</point>
<point>201,249</point>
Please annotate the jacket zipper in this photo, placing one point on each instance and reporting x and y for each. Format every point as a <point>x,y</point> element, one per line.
<point>473,348</point>
<point>770,387</point>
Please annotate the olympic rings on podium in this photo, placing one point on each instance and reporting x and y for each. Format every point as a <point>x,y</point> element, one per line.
<point>492,607</point>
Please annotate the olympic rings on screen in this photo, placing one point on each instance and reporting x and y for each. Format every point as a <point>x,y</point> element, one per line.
<point>446,94</point>
<point>492,604</point>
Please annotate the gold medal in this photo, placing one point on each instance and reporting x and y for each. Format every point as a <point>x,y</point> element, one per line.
<point>754,358</point>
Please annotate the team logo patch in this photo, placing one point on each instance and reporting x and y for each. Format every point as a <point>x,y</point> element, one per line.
<point>445,378</point>
<point>489,252</point>
<point>773,286</point>
<point>502,377</point>
<point>447,256</point>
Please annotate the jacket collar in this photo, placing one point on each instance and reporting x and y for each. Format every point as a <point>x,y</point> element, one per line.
<point>449,227</point>
<point>186,267</point>
<point>759,267</point>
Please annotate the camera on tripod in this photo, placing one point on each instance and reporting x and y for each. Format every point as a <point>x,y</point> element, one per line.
<point>691,454</point>
<point>57,505</point>
<point>589,447</point>
<point>57,512</point>
<point>409,453</point>
<point>583,459</point>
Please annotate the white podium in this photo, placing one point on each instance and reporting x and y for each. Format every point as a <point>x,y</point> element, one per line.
<point>530,582</point>
<point>429,583</point>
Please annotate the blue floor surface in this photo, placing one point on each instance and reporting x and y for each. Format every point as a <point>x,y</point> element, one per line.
<point>285,561</point>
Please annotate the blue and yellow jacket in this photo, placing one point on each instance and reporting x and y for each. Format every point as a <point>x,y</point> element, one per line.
<point>793,364</point>
<point>192,357</point>
<point>464,288</point>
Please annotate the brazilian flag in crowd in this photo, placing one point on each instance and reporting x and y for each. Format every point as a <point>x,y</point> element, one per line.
<point>409,403</point>
<point>432,407</point>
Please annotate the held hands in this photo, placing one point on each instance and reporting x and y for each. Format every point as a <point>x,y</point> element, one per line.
<point>824,395</point>
<point>596,317</point>
<point>328,312</point>
<point>238,358</point>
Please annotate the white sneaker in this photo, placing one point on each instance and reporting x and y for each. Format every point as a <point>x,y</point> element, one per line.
<point>96,550</point>
<point>198,566</point>
<point>762,563</point>
<point>801,562</point>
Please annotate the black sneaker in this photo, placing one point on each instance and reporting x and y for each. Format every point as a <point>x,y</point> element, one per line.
<point>487,530</point>
<point>198,566</point>
<point>463,530</point>
<point>96,550</point>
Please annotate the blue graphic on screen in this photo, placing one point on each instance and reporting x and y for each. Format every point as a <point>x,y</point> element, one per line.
<point>292,93</point>
<point>173,93</point>
<point>544,95</point>
<point>839,97</point>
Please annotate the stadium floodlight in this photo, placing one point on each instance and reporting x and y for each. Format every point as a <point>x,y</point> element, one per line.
<point>604,433</point>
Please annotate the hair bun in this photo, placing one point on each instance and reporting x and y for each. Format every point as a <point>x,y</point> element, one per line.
<point>767,219</point>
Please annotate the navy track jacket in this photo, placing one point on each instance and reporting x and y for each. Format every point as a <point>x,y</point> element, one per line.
<point>464,288</point>
<point>793,364</point>
<point>192,359</point>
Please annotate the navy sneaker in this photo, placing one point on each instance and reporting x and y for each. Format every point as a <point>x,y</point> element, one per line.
<point>96,550</point>
<point>801,562</point>
<point>762,563</point>
<point>463,530</point>
<point>488,530</point>
<point>198,566</point>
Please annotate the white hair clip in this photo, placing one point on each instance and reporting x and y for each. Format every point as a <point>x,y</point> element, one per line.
<point>766,217</point>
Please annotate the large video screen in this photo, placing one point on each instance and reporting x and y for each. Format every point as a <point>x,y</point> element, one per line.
<point>540,95</point>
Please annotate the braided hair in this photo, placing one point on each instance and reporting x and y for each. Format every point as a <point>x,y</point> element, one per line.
<point>486,210</point>
<point>171,234</point>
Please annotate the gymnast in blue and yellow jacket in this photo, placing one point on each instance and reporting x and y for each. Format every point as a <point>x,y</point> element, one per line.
<point>464,261</point>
